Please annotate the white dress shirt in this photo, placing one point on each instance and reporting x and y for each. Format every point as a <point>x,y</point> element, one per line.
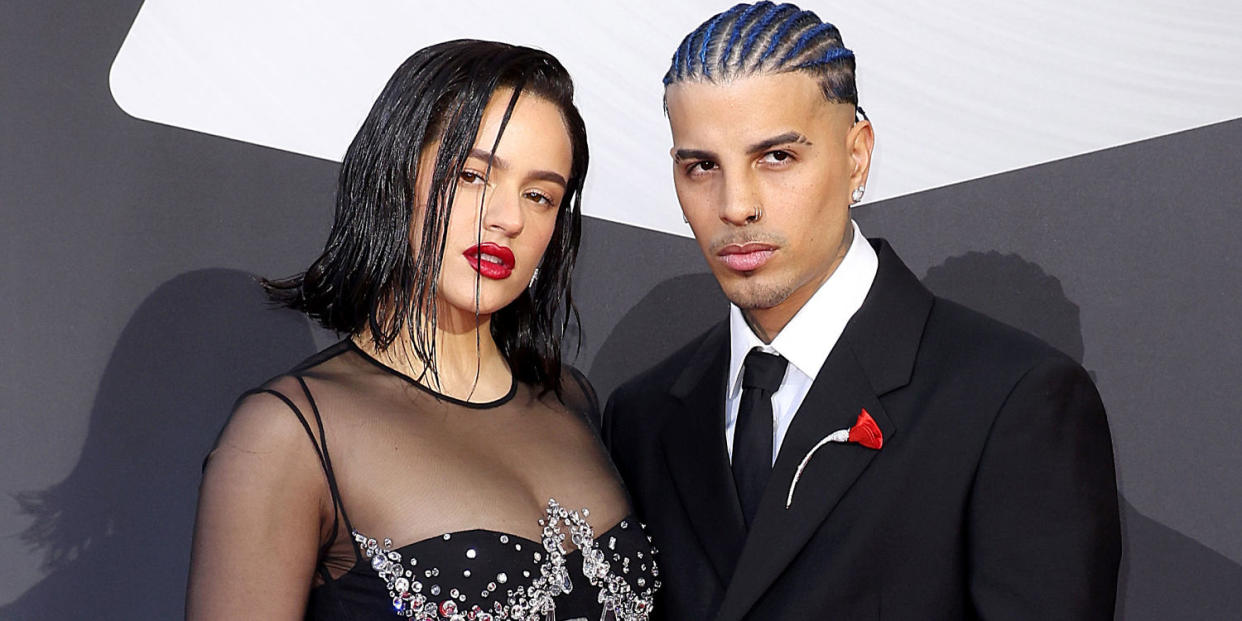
<point>805,341</point>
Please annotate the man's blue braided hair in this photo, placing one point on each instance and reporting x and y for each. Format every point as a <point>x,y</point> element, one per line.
<point>766,38</point>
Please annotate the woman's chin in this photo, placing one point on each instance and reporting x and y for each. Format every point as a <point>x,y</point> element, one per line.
<point>491,300</point>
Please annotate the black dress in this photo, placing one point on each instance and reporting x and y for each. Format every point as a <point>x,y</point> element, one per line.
<point>441,495</point>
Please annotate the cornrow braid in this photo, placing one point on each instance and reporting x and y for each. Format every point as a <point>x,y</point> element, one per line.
<point>765,37</point>
<point>734,32</point>
<point>762,27</point>
<point>707,37</point>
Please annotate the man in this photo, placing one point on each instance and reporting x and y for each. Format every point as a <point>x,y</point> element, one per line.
<point>845,445</point>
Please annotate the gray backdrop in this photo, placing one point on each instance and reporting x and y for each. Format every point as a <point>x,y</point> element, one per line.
<point>132,319</point>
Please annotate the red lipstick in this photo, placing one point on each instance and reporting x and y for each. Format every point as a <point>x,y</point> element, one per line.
<point>491,260</point>
<point>746,257</point>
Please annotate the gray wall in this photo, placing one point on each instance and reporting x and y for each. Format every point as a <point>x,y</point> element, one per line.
<point>133,319</point>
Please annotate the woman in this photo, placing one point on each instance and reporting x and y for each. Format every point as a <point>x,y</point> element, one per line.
<point>438,463</point>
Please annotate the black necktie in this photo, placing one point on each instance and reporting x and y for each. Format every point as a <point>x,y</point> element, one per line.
<point>752,435</point>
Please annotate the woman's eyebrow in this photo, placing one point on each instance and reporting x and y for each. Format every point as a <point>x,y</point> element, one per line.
<point>503,164</point>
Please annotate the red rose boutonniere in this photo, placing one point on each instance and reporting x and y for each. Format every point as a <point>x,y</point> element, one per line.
<point>864,432</point>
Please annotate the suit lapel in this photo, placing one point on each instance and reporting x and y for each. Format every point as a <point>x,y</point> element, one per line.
<point>777,535</point>
<point>694,447</point>
<point>875,355</point>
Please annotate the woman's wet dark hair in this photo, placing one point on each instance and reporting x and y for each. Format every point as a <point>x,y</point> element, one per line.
<point>369,279</point>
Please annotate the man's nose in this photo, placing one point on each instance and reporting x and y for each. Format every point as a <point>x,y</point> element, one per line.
<point>740,202</point>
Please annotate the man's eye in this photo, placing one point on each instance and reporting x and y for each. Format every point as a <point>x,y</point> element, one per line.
<point>703,166</point>
<point>777,156</point>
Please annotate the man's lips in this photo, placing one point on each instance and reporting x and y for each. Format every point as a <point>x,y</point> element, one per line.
<point>746,257</point>
<point>491,260</point>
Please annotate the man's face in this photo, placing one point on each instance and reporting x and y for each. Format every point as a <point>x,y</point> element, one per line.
<point>769,142</point>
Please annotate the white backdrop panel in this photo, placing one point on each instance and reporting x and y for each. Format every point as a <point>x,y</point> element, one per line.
<point>957,89</point>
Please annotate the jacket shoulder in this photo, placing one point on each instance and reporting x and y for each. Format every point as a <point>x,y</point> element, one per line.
<point>660,376</point>
<point>972,338</point>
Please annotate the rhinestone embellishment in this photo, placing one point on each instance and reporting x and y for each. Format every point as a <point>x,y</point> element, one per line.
<point>534,601</point>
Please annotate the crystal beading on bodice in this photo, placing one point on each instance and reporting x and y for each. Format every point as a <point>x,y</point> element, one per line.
<point>394,453</point>
<point>529,594</point>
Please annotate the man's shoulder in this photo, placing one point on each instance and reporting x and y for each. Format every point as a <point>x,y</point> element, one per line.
<point>660,377</point>
<point>960,336</point>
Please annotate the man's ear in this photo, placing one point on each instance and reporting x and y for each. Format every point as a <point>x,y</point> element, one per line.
<point>860,141</point>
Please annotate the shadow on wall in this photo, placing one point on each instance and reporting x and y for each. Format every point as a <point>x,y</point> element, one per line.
<point>655,327</point>
<point>1013,290</point>
<point>192,346</point>
<point>1164,574</point>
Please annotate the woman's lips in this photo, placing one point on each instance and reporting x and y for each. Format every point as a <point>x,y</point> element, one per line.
<point>490,260</point>
<point>745,257</point>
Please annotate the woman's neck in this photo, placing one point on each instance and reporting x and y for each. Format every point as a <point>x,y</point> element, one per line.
<point>468,363</point>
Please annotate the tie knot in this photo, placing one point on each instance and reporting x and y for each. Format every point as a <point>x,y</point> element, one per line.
<point>763,371</point>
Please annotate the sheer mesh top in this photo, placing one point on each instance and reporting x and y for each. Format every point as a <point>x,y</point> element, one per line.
<point>452,510</point>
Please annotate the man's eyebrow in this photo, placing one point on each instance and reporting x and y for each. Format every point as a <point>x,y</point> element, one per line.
<point>774,141</point>
<point>763,145</point>
<point>500,163</point>
<point>693,154</point>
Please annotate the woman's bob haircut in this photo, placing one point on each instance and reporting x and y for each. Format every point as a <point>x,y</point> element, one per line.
<point>372,277</point>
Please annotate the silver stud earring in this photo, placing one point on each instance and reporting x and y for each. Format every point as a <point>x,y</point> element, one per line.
<point>857,195</point>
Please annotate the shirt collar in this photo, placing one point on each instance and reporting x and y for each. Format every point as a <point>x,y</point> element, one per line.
<point>809,337</point>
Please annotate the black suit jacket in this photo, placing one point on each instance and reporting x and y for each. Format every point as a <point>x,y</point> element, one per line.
<point>993,496</point>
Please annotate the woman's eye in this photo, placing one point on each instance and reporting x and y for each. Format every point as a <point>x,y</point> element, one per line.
<point>469,176</point>
<point>540,198</point>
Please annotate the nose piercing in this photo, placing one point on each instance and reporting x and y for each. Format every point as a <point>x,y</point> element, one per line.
<point>757,215</point>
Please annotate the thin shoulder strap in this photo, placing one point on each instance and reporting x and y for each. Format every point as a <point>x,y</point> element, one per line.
<point>327,466</point>
<point>323,548</point>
